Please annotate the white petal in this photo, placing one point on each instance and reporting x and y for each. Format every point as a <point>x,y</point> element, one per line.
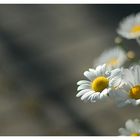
<point>94,97</point>
<point>104,93</point>
<point>136,74</point>
<point>135,102</point>
<point>86,95</point>
<point>138,102</point>
<point>89,75</point>
<point>93,72</point>
<point>84,86</point>
<point>98,70</point>
<point>80,93</point>
<point>103,69</point>
<point>83,82</point>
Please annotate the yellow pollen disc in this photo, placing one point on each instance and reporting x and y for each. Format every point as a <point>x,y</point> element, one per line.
<point>135,29</point>
<point>112,61</point>
<point>135,92</point>
<point>135,134</point>
<point>100,83</point>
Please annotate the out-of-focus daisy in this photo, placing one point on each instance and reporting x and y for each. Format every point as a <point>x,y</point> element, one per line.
<point>130,27</point>
<point>132,128</point>
<point>113,58</point>
<point>129,93</point>
<point>97,86</point>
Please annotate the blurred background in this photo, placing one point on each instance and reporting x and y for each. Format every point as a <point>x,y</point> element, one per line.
<point>44,50</point>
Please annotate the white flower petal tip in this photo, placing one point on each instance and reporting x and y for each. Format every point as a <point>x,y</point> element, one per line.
<point>82,82</point>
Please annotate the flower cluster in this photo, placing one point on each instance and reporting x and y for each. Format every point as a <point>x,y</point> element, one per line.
<point>121,85</point>
<point>109,79</point>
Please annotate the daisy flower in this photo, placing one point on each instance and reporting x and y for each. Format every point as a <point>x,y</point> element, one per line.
<point>97,86</point>
<point>129,91</point>
<point>132,128</point>
<point>113,58</point>
<point>130,27</point>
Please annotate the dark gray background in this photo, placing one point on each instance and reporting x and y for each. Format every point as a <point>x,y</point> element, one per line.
<point>44,50</point>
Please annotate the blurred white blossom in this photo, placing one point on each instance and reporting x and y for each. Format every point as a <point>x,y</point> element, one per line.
<point>130,27</point>
<point>132,128</point>
<point>113,58</point>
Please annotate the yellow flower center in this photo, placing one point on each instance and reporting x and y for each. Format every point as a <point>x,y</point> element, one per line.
<point>135,29</point>
<point>100,83</point>
<point>135,134</point>
<point>112,61</point>
<point>135,92</point>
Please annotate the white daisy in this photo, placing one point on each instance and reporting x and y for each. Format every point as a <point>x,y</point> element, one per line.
<point>129,91</point>
<point>113,58</point>
<point>132,128</point>
<point>130,27</point>
<point>97,86</point>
